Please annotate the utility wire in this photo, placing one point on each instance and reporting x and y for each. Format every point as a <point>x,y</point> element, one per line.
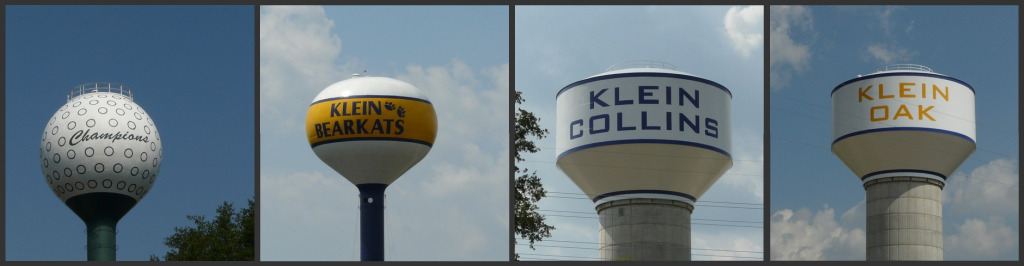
<point>595,243</point>
<point>713,220</point>
<point>692,223</point>
<point>593,258</point>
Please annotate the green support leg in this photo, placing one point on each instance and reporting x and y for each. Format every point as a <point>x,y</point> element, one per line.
<point>102,235</point>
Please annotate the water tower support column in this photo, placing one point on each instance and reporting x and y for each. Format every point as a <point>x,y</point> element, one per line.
<point>904,218</point>
<point>102,239</point>
<point>645,230</point>
<point>371,221</point>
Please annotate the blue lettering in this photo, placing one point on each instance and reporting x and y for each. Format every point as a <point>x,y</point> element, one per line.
<point>644,93</point>
<point>361,126</point>
<point>618,124</point>
<point>668,96</point>
<point>318,128</point>
<point>712,128</point>
<point>573,129</point>
<point>643,122</point>
<point>389,125</point>
<point>348,127</point>
<point>683,120</point>
<point>373,107</point>
<point>621,102</point>
<point>377,127</point>
<point>334,110</point>
<point>336,130</point>
<point>597,99</point>
<point>668,120</point>
<point>344,109</point>
<point>695,99</point>
<point>596,117</point>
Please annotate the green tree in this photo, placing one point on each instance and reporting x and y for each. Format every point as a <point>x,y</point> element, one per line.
<point>228,237</point>
<point>529,223</point>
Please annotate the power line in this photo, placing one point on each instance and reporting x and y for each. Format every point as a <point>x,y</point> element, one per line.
<point>713,220</point>
<point>692,223</point>
<point>594,243</point>
<point>593,258</point>
<point>586,248</point>
<point>560,256</point>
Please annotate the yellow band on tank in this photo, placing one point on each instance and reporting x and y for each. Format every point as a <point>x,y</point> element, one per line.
<point>371,118</point>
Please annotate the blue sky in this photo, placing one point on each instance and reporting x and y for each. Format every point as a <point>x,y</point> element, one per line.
<point>813,49</point>
<point>191,68</point>
<point>453,205</point>
<point>558,45</point>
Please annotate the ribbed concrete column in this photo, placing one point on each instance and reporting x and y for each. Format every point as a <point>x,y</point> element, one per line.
<point>645,230</point>
<point>904,218</point>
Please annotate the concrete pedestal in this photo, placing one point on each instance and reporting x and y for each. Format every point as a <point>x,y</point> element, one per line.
<point>645,230</point>
<point>904,218</point>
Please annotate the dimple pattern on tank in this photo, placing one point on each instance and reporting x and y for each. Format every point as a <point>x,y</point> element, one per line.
<point>100,142</point>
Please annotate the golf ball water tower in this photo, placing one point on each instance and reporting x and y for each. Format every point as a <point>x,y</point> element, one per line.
<point>644,142</point>
<point>371,130</point>
<point>100,154</point>
<point>903,130</point>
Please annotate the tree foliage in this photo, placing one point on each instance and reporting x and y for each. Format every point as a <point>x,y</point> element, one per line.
<point>530,224</point>
<point>228,237</point>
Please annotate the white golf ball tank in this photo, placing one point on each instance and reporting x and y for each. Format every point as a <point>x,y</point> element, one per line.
<point>100,141</point>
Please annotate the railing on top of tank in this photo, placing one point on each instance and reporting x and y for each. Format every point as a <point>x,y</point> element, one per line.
<point>895,67</point>
<point>101,87</point>
<point>642,64</point>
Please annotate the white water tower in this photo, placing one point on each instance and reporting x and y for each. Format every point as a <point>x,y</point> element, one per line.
<point>903,130</point>
<point>100,154</point>
<point>644,142</point>
<point>371,130</point>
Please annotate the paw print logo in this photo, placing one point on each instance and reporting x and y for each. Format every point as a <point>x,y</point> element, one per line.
<point>401,111</point>
<point>390,106</point>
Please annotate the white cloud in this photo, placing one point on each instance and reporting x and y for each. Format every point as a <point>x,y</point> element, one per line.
<point>746,175</point>
<point>462,193</point>
<point>306,209</point>
<point>979,240</point>
<point>803,235</point>
<point>468,108</point>
<point>992,189</point>
<point>889,53</point>
<point>745,27</point>
<point>885,19</point>
<point>988,198</point>
<point>787,54</point>
<point>297,53</point>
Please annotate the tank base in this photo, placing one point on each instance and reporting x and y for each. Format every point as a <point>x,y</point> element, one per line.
<point>645,230</point>
<point>904,219</point>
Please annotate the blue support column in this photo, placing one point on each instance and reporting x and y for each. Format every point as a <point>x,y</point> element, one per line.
<point>371,221</point>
